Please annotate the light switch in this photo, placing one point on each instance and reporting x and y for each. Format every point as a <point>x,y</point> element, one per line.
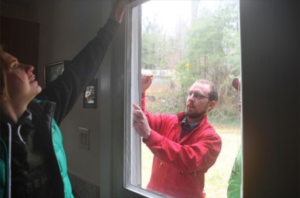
<point>84,138</point>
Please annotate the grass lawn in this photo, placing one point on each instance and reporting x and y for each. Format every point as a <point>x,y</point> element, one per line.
<point>216,179</point>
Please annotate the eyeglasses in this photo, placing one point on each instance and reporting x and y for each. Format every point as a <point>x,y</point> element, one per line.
<point>197,96</point>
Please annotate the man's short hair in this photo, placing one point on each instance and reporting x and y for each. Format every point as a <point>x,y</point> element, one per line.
<point>213,95</point>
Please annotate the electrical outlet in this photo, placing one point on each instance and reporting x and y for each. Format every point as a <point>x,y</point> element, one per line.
<point>84,138</point>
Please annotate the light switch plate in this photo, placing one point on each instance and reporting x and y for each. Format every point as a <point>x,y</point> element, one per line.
<point>84,138</point>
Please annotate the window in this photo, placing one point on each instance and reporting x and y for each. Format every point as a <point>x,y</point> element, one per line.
<point>270,118</point>
<point>193,40</point>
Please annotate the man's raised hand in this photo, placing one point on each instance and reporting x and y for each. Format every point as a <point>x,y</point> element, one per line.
<point>146,81</point>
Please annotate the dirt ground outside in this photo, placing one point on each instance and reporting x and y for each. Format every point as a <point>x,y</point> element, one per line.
<point>216,179</point>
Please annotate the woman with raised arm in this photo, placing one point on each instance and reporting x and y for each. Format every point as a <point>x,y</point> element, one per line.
<point>32,157</point>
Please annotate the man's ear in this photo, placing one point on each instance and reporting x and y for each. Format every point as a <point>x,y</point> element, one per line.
<point>236,84</point>
<point>211,105</point>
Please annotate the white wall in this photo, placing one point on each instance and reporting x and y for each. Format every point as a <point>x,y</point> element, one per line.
<point>65,28</point>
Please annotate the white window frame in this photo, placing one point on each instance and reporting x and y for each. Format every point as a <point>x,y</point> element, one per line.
<point>132,90</point>
<point>132,141</point>
<point>116,166</point>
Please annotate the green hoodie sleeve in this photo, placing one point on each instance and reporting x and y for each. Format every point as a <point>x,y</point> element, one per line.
<point>234,183</point>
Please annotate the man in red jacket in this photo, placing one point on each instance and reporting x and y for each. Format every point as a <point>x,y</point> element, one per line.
<point>185,145</point>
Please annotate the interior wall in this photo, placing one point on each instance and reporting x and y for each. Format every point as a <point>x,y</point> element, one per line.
<point>26,13</point>
<point>270,71</point>
<point>65,28</point>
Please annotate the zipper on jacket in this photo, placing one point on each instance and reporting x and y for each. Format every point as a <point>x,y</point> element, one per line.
<point>9,159</point>
<point>160,163</point>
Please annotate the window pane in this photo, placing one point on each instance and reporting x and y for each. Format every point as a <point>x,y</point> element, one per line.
<point>183,41</point>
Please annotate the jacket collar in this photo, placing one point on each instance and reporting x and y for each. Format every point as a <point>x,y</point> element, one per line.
<point>26,117</point>
<point>182,115</point>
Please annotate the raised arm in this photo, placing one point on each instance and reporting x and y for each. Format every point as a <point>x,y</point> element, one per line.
<point>146,82</point>
<point>65,90</point>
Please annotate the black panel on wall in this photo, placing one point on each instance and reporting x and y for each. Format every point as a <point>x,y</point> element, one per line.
<point>270,70</point>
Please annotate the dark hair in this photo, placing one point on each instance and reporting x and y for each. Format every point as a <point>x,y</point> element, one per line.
<point>213,94</point>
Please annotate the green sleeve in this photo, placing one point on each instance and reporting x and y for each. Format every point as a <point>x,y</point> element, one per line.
<point>3,169</point>
<point>234,183</point>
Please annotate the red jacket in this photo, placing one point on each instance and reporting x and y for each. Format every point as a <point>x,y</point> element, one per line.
<point>179,165</point>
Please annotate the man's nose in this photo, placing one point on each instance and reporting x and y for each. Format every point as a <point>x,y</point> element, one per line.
<point>191,96</point>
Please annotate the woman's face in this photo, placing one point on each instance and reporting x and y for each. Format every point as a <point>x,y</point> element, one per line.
<point>21,83</point>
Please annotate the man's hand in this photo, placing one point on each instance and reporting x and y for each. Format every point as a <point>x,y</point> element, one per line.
<point>146,82</point>
<point>118,10</point>
<point>140,122</point>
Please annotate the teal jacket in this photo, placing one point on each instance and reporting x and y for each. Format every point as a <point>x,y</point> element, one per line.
<point>41,115</point>
<point>235,180</point>
<point>3,168</point>
<point>51,106</point>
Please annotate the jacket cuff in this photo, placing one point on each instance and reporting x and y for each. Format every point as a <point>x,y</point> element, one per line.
<point>143,106</point>
<point>111,25</point>
<point>153,140</point>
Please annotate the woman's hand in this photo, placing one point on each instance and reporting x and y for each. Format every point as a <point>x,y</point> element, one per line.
<point>118,10</point>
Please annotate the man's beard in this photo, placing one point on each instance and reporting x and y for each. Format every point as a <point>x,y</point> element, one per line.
<point>194,115</point>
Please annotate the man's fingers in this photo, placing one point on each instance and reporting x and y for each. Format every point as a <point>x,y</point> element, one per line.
<point>136,107</point>
<point>138,115</point>
<point>147,76</point>
<point>137,112</point>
